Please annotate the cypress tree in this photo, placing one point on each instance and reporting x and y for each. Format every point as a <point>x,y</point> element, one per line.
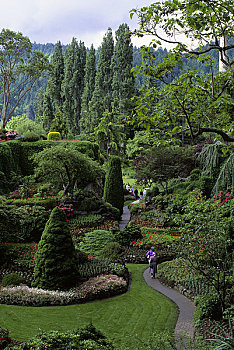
<point>113,189</point>
<point>89,83</point>
<point>123,84</point>
<point>102,95</point>
<point>48,113</point>
<point>56,261</point>
<point>73,84</point>
<point>55,79</point>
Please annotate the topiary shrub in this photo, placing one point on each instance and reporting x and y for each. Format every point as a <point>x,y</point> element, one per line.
<point>95,241</point>
<point>12,279</point>
<point>56,264</point>
<point>113,189</point>
<point>53,135</point>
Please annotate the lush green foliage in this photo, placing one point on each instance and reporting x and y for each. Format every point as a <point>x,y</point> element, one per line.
<point>21,67</point>
<point>56,259</point>
<point>12,279</point>
<point>113,189</point>
<point>95,241</point>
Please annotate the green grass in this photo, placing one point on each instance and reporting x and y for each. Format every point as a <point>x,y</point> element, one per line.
<point>127,319</point>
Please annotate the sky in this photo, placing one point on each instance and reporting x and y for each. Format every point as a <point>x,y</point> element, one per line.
<point>48,21</point>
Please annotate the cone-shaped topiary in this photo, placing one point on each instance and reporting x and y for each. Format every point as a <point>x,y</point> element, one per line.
<point>56,260</point>
<point>113,189</point>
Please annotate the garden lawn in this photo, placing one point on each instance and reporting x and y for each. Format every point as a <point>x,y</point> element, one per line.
<point>128,319</point>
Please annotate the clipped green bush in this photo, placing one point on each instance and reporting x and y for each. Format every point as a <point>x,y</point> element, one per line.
<point>95,241</point>
<point>12,279</point>
<point>30,136</point>
<point>53,135</point>
<point>56,264</point>
<point>113,189</point>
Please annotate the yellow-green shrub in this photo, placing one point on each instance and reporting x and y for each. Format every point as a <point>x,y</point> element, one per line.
<point>53,135</point>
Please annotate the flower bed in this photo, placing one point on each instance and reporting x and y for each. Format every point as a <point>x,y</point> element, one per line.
<point>179,273</point>
<point>154,236</point>
<point>95,288</point>
<point>79,231</point>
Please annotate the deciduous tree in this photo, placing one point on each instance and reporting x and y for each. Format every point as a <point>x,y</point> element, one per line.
<point>19,70</point>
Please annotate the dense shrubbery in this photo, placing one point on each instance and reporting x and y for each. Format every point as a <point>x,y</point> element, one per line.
<point>12,279</point>
<point>93,242</point>
<point>86,338</point>
<point>27,221</point>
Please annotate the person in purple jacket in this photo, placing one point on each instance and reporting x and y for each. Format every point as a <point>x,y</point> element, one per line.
<point>149,254</point>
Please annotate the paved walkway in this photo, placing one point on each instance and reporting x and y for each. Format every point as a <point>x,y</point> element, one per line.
<point>184,327</point>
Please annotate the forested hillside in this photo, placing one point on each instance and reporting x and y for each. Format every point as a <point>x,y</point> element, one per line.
<point>32,104</point>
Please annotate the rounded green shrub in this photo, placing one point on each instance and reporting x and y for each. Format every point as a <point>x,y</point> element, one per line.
<point>12,279</point>
<point>30,136</point>
<point>112,250</point>
<point>95,241</point>
<point>56,264</point>
<point>129,233</point>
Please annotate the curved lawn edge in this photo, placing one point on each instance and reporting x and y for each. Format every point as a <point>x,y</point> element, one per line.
<point>128,319</point>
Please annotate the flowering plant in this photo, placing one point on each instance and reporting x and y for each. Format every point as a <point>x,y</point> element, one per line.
<point>4,338</point>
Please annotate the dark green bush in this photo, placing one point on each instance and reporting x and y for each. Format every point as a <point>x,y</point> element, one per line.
<point>95,241</point>
<point>112,250</point>
<point>30,136</point>
<point>12,279</point>
<point>129,234</point>
<point>56,265</point>
<point>208,306</point>
<point>153,191</point>
<point>27,221</point>
<point>86,338</point>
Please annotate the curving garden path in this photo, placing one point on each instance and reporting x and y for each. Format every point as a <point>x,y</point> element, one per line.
<point>184,326</point>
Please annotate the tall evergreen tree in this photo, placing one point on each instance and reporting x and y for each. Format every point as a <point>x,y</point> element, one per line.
<point>78,83</point>
<point>102,95</point>
<point>56,77</point>
<point>113,189</point>
<point>38,102</point>
<point>89,84</point>
<point>48,112</point>
<point>123,84</point>
<point>73,84</point>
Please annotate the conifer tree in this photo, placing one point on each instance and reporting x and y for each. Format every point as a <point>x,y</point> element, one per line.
<point>56,77</point>
<point>73,84</point>
<point>123,84</point>
<point>89,84</point>
<point>38,102</point>
<point>56,260</point>
<point>101,99</point>
<point>113,189</point>
<point>48,113</point>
